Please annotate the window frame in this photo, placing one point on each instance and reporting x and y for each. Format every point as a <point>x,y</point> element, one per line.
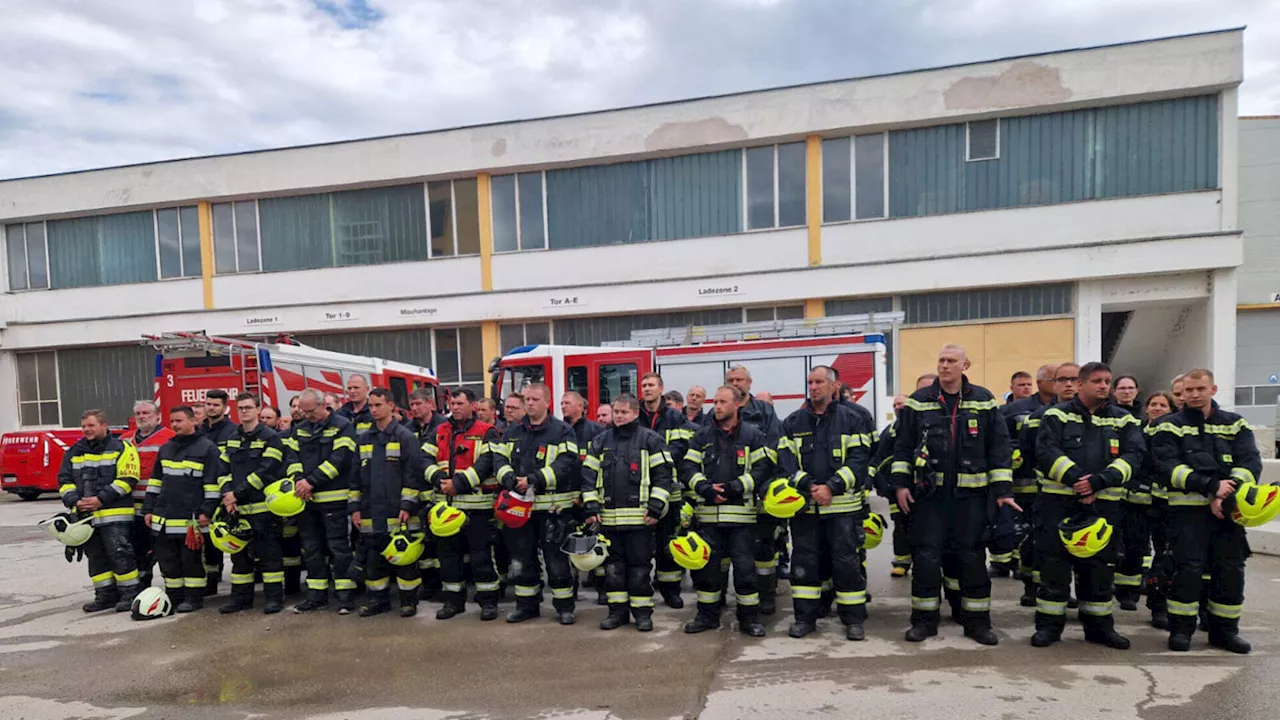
<point>968,134</point>
<point>56,399</point>
<point>235,236</point>
<point>519,218</point>
<point>182,261</point>
<point>26,255</point>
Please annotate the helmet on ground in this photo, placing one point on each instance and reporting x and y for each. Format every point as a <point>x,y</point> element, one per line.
<point>445,520</point>
<point>690,551</point>
<point>1252,504</point>
<point>873,531</point>
<point>66,529</point>
<point>1084,535</point>
<point>281,499</point>
<point>405,547</point>
<point>151,603</point>
<point>514,509</point>
<point>781,500</point>
<point>229,536</point>
<point>586,550</point>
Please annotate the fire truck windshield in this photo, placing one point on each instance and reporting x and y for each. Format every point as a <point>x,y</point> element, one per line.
<point>516,377</point>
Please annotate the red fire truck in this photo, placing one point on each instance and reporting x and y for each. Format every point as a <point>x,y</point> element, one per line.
<point>190,364</point>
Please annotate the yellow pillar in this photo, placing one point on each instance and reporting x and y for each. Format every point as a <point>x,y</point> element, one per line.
<point>813,196</point>
<point>205,213</point>
<point>489,348</point>
<point>486,234</point>
<point>815,308</point>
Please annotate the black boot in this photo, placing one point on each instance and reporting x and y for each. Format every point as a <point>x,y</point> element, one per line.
<point>1160,619</point>
<point>292,581</point>
<point>315,600</point>
<point>211,585</point>
<point>602,597</point>
<point>1044,638</point>
<point>855,632</point>
<point>701,623</point>
<point>644,619</point>
<point>1179,642</point>
<point>983,636</point>
<point>800,628</point>
<point>521,614</point>
<point>125,603</point>
<point>448,611</point>
<point>346,601</point>
<point>1230,643</point>
<point>918,633</point>
<point>273,598</point>
<point>672,599</point>
<point>193,600</point>
<point>617,617</point>
<point>565,617</point>
<point>1028,598</point>
<point>105,599</point>
<point>241,599</point>
<point>375,603</point>
<point>1108,637</point>
<point>488,612</point>
<point>768,607</point>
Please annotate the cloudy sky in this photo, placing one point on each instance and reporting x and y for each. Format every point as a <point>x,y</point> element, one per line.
<point>92,83</point>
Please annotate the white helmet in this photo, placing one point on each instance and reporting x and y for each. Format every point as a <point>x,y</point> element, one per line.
<point>586,550</point>
<point>66,529</point>
<point>151,603</point>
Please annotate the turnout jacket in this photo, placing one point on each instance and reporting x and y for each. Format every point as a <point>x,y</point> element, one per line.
<point>966,444</point>
<point>881,460</point>
<point>740,460</point>
<point>221,431</point>
<point>324,454</point>
<point>184,483</point>
<point>465,455</point>
<point>1016,415</point>
<point>674,429</point>
<point>547,454</point>
<point>106,469</point>
<point>361,419</point>
<point>250,462</point>
<point>833,449</point>
<point>584,431</point>
<point>148,447</point>
<point>389,480</point>
<point>759,413</point>
<point>1193,454</point>
<point>1072,442</point>
<point>626,476</point>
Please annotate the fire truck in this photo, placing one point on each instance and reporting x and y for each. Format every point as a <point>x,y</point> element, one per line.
<point>190,364</point>
<point>779,355</point>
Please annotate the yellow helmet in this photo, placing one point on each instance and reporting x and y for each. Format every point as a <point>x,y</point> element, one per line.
<point>690,551</point>
<point>1085,535</point>
<point>1252,504</point>
<point>229,537</point>
<point>781,500</point>
<point>445,520</point>
<point>873,531</point>
<point>281,499</point>
<point>405,548</point>
<point>687,515</point>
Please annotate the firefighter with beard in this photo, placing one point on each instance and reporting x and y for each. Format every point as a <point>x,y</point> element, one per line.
<point>425,422</point>
<point>148,437</point>
<point>218,428</point>
<point>882,479</point>
<point>677,432</point>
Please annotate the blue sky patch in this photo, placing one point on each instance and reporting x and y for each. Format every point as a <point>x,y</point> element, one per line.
<point>350,14</point>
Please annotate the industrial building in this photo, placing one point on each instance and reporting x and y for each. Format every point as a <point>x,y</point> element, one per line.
<point>1258,323</point>
<point>1080,204</point>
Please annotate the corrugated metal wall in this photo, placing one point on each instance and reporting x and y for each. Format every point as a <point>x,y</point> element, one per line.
<point>1147,148</point>
<point>406,346</point>
<point>593,331</point>
<point>696,195</point>
<point>992,303</point>
<point>111,378</point>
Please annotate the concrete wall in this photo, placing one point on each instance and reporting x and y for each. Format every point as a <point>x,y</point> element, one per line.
<point>1260,209</point>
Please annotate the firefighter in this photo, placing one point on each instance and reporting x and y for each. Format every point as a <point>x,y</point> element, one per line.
<point>254,459</point>
<point>1087,450</point>
<point>677,432</point>
<point>96,479</point>
<point>148,436</point>
<point>218,428</point>
<point>323,462</point>
<point>1203,454</point>
<point>1065,379</point>
<point>1160,569</point>
<point>695,399</point>
<point>1012,552</point>
<point>383,499</point>
<point>181,496</point>
<point>424,421</point>
<point>728,465</point>
<point>952,454</point>
<point>824,452</point>
<point>356,408</point>
<point>772,556</point>
<point>879,470</point>
<point>626,487</point>
<point>463,478</point>
<point>540,452</point>
<point>573,407</point>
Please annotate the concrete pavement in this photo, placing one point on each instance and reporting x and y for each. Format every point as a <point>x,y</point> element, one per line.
<point>56,662</point>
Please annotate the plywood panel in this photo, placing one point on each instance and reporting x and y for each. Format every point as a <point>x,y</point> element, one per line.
<point>918,351</point>
<point>996,350</point>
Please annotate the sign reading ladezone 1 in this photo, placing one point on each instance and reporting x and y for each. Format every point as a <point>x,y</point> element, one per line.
<point>251,321</point>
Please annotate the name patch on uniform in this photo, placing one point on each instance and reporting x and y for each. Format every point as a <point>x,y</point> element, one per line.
<point>1115,446</point>
<point>542,452</point>
<point>973,427</point>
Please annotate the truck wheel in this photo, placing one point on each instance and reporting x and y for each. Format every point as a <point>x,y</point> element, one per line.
<point>27,494</point>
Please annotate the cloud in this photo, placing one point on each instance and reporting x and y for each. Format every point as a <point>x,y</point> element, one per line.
<point>92,84</point>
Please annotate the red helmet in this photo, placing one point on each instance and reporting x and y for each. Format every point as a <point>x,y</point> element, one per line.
<point>512,509</point>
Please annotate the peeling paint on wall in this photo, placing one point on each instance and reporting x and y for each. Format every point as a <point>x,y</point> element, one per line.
<point>694,133</point>
<point>1024,83</point>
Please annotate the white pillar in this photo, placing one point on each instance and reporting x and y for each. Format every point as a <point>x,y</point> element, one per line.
<point>1229,158</point>
<point>1088,322</point>
<point>8,392</point>
<point>1221,334</point>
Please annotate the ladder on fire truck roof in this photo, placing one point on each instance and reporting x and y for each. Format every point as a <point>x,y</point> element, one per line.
<point>250,377</point>
<point>867,323</point>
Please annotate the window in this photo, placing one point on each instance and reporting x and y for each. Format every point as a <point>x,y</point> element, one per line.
<point>518,221</point>
<point>612,328</point>
<point>38,388</point>
<point>518,377</point>
<point>178,241</point>
<point>453,208</point>
<point>616,380</point>
<point>512,336</point>
<point>837,179</point>
<point>110,378</point>
<point>982,140</point>
<point>869,174</point>
<point>460,358</point>
<point>576,380</point>
<point>857,306</point>
<point>1244,395</point>
<point>102,250</point>
<point>235,237</point>
<point>399,391</point>
<point>28,263</point>
<point>853,178</point>
<point>775,186</point>
<point>768,314</point>
<point>355,227</point>
<point>957,306</point>
<point>1266,395</point>
<point>791,180</point>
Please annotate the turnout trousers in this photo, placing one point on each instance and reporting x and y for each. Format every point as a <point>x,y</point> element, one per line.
<point>627,570</point>
<point>834,536</point>
<point>1201,544</point>
<point>947,532</point>
<point>264,555</point>
<point>540,539</point>
<point>1094,576</point>
<point>736,543</point>
<point>183,568</point>
<point>326,550</point>
<point>378,572</point>
<point>669,574</point>
<point>474,546</point>
<point>112,562</point>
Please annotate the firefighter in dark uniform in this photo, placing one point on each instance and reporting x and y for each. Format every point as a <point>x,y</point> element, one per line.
<point>218,428</point>
<point>825,451</point>
<point>952,455</point>
<point>181,496</point>
<point>149,435</point>
<point>1086,448</point>
<point>728,467</point>
<point>96,479</point>
<point>323,463</point>
<point>1011,544</point>
<point>356,408</point>
<point>383,500</point>
<point>677,432</point>
<point>626,487</point>
<point>540,452</point>
<point>424,421</point>
<point>254,459</point>
<point>573,408</point>
<point>881,478</point>
<point>1203,454</point>
<point>463,477</point>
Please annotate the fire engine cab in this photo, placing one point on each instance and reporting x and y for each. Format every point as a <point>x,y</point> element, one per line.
<point>779,355</point>
<point>190,364</point>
